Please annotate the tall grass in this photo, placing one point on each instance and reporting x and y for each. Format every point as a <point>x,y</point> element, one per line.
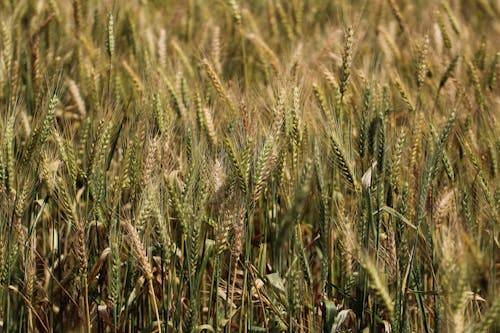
<point>281,166</point>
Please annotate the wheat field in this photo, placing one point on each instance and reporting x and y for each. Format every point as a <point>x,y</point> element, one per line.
<point>249,166</point>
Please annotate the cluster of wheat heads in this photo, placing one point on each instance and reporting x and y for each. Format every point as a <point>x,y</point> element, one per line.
<point>249,166</point>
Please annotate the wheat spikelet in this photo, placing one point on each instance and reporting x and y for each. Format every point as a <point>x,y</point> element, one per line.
<point>194,246</point>
<point>284,20</point>
<point>91,85</point>
<point>273,23</point>
<point>114,267</point>
<point>209,127</point>
<point>84,138</point>
<point>321,101</point>
<point>279,115</point>
<point>133,76</point>
<point>389,253</point>
<point>36,69</point>
<point>396,161</point>
<point>430,169</point>
<point>381,144</point>
<point>480,56</point>
<point>365,110</point>
<point>389,42</point>
<point>110,36</point>
<point>414,156</point>
<point>176,205</point>
<point>345,71</point>
<point>200,121</point>
<point>140,255</point>
<point>8,151</point>
<point>163,231</point>
<point>8,51</point>
<point>222,232</point>
<point>162,48</point>
<point>14,80</point>
<point>55,9</point>
<point>443,136</point>
<point>3,263</point>
<point>494,159</point>
<point>97,167</point>
<point>77,98</point>
<point>81,248</point>
<point>48,121</point>
<point>205,121</point>
<point>238,237</point>
<point>349,244</point>
<point>421,61</point>
<point>9,260</point>
<point>295,111</point>
<point>184,92</point>
<point>70,210</point>
<point>377,283</point>
<point>293,126</point>
<point>298,11</point>
<point>448,72</point>
<point>451,17</point>
<point>31,146</point>
<point>138,249</point>
<point>25,121</point>
<point>158,113</point>
<point>443,204</point>
<point>77,16</point>
<point>68,155</point>
<point>397,14</point>
<point>492,76</point>
<point>214,79</point>
<point>218,177</point>
<point>20,230</point>
<point>146,210</point>
<point>480,176</point>
<point>448,167</point>
<point>268,53</point>
<point>216,49</point>
<point>134,162</point>
<point>404,95</point>
<point>3,171</point>
<point>343,161</point>
<point>459,301</point>
<point>235,12</point>
<point>130,32</point>
<point>443,30</point>
<point>417,139</point>
<point>237,165</point>
<point>265,165</point>
<point>182,57</point>
<point>330,78</point>
<point>372,137</point>
<point>47,175</point>
<point>150,163</point>
<point>449,248</point>
<point>175,100</point>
